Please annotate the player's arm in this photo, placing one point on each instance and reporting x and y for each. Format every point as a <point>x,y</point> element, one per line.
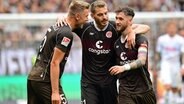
<point>136,29</point>
<point>140,28</point>
<point>140,61</point>
<point>54,74</point>
<point>61,21</point>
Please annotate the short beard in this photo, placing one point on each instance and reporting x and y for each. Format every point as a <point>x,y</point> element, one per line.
<point>122,29</point>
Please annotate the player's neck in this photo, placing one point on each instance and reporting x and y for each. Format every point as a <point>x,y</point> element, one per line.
<point>71,22</point>
<point>126,31</point>
<point>124,34</point>
<point>100,27</point>
<point>171,34</point>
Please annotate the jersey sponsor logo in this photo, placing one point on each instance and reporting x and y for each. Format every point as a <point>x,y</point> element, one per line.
<point>65,41</point>
<point>109,34</point>
<point>99,44</point>
<point>170,49</point>
<point>122,56</point>
<point>125,62</point>
<point>98,51</point>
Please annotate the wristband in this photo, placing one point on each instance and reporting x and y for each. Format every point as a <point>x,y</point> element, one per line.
<point>127,66</point>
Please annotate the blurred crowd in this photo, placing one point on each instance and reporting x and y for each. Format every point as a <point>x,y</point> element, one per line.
<point>47,6</point>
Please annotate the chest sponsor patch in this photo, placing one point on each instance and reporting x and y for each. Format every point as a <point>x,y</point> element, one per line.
<point>65,41</point>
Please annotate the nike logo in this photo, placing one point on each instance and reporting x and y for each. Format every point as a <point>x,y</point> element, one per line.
<point>117,46</point>
<point>91,33</point>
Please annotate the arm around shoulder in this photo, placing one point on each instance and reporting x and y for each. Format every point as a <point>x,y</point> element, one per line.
<point>140,28</point>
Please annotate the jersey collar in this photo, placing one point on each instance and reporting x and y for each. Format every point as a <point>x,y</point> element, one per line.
<point>123,39</point>
<point>99,28</point>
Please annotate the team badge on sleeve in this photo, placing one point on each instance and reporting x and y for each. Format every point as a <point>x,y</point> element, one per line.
<point>65,41</point>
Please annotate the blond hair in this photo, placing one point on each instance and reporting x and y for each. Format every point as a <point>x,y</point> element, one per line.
<point>77,6</point>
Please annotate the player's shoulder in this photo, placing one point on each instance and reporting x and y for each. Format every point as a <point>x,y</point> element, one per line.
<point>65,31</point>
<point>139,36</point>
<point>118,41</point>
<point>53,28</point>
<point>179,36</point>
<point>112,23</point>
<point>86,25</point>
<point>163,36</point>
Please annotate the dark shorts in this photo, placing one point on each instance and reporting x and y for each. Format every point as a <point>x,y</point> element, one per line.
<point>98,94</point>
<point>40,93</point>
<point>144,98</point>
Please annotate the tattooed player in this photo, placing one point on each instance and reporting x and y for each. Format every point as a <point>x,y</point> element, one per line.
<point>132,69</point>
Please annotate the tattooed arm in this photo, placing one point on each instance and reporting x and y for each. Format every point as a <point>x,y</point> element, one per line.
<point>140,28</point>
<point>141,60</point>
<point>142,56</point>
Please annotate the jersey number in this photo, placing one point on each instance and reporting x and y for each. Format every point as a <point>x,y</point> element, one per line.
<point>63,99</point>
<point>42,44</point>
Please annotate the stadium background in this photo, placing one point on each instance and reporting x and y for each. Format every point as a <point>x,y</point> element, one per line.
<point>23,24</point>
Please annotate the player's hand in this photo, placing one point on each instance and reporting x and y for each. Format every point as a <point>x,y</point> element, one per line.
<point>114,70</point>
<point>131,39</point>
<point>56,98</point>
<point>61,21</point>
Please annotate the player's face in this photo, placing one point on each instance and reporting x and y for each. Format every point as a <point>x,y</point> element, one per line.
<point>100,16</point>
<point>121,22</point>
<point>83,17</point>
<point>172,29</point>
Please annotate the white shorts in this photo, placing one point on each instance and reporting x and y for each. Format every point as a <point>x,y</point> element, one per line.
<point>170,74</point>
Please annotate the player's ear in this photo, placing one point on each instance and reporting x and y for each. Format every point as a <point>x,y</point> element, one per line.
<point>130,21</point>
<point>77,16</point>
